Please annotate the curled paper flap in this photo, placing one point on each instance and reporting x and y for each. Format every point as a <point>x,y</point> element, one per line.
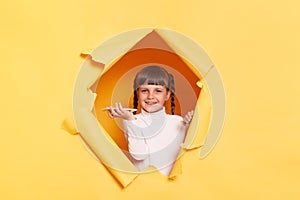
<point>69,126</point>
<point>91,131</point>
<point>200,121</point>
<point>204,127</point>
<point>217,93</point>
<point>112,49</point>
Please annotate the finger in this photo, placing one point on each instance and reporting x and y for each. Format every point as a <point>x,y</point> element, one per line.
<point>120,108</point>
<point>185,119</point>
<point>110,112</point>
<point>110,115</point>
<point>190,115</point>
<point>122,112</point>
<point>117,108</point>
<point>113,112</point>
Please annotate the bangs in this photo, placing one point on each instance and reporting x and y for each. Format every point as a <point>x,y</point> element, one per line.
<point>151,81</point>
<point>154,78</point>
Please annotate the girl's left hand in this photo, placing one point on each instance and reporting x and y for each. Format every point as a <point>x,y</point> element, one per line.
<point>119,112</point>
<point>188,118</point>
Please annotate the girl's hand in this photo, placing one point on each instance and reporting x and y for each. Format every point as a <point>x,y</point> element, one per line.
<point>188,118</point>
<point>119,112</point>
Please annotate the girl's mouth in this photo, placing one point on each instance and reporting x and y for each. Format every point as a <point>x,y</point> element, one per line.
<point>150,103</point>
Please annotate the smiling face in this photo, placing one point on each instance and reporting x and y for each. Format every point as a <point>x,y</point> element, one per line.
<point>152,97</point>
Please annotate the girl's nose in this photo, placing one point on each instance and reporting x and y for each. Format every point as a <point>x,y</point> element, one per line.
<point>150,95</point>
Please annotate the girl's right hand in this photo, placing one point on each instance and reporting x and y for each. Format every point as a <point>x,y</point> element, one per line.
<point>119,112</point>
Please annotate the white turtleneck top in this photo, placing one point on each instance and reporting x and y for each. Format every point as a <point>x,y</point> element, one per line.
<point>154,139</point>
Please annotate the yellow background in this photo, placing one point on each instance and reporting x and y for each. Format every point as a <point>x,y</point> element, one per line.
<point>255,45</point>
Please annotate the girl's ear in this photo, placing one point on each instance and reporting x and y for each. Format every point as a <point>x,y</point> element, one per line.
<point>168,95</point>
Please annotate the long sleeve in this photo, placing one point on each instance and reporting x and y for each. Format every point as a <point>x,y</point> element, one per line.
<point>137,144</point>
<point>154,139</point>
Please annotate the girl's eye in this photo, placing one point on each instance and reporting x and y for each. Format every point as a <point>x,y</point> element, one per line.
<point>143,91</point>
<point>158,91</point>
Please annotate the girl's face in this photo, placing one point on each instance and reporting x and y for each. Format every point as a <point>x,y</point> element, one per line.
<point>152,97</point>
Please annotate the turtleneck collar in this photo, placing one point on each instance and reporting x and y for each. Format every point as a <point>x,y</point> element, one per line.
<point>154,121</point>
<point>155,115</point>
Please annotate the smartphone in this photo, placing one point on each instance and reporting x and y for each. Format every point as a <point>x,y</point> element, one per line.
<point>129,109</point>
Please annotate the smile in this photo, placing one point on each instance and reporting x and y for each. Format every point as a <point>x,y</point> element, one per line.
<point>150,103</point>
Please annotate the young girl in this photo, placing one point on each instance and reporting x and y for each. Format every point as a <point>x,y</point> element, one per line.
<point>154,137</point>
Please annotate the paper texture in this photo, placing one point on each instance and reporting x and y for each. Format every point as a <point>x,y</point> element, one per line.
<point>98,140</point>
<point>255,46</point>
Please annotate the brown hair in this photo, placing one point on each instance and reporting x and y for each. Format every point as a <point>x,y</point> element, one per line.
<point>154,75</point>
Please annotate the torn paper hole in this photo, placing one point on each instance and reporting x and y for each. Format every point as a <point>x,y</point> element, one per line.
<point>121,56</point>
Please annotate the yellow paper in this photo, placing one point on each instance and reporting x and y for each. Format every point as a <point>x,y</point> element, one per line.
<point>93,132</point>
<point>254,45</point>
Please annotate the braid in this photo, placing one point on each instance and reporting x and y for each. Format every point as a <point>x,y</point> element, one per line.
<point>172,88</point>
<point>172,103</point>
<point>135,101</point>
